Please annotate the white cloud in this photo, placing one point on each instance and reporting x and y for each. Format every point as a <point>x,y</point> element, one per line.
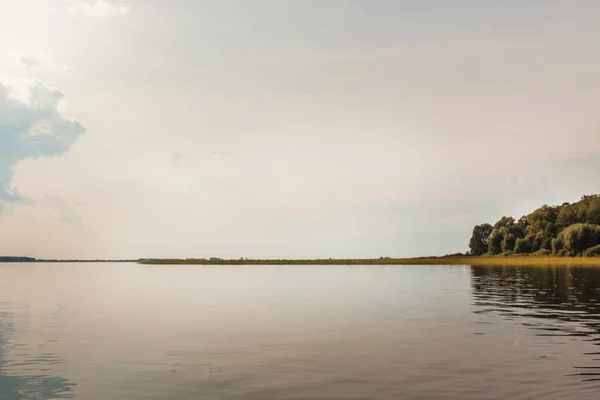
<point>31,61</point>
<point>30,128</point>
<point>100,9</point>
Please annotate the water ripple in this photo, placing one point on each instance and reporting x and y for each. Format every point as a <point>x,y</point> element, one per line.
<point>552,301</point>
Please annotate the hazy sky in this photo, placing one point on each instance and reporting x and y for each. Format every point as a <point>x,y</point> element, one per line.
<point>300,128</point>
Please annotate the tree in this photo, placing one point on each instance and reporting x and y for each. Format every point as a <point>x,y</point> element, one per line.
<point>593,210</point>
<point>567,229</point>
<point>558,245</point>
<point>536,240</point>
<point>523,222</point>
<point>495,242</point>
<point>522,246</point>
<point>542,217</point>
<point>508,242</point>
<point>504,222</point>
<point>478,244</point>
<point>566,216</point>
<point>578,238</point>
<point>516,228</point>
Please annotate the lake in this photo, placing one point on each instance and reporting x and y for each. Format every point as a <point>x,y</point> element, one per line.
<point>129,331</point>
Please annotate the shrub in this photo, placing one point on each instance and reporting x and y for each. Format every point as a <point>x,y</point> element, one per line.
<point>542,252</point>
<point>447,255</point>
<point>536,241</point>
<point>547,243</point>
<point>592,252</point>
<point>563,253</point>
<point>507,253</point>
<point>522,246</point>
<point>508,242</point>
<point>579,237</point>
<point>558,244</point>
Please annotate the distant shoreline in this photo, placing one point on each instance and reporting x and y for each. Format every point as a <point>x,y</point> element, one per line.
<point>4,259</point>
<point>450,260</point>
<point>443,260</point>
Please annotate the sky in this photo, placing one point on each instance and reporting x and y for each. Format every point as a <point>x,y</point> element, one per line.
<point>289,129</point>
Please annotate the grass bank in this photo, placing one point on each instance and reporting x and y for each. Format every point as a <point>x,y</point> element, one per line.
<point>452,260</point>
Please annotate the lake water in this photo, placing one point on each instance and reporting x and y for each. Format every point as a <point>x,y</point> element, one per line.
<point>128,331</point>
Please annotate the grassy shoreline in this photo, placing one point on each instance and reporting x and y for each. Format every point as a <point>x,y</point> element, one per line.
<point>450,260</point>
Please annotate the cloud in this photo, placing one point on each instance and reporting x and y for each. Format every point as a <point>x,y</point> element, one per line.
<point>31,128</point>
<point>100,9</point>
<point>31,61</point>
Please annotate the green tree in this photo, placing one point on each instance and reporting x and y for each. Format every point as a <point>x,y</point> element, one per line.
<point>504,222</point>
<point>543,217</point>
<point>558,245</point>
<point>566,216</point>
<point>579,237</point>
<point>592,206</point>
<point>522,246</point>
<point>495,242</point>
<point>523,222</point>
<point>508,242</point>
<point>478,244</point>
<point>568,229</point>
<point>536,240</point>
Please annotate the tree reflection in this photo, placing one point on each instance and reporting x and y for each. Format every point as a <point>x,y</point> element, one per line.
<point>20,387</point>
<point>564,300</point>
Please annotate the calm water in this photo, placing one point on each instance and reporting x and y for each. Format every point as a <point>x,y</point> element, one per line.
<point>126,331</point>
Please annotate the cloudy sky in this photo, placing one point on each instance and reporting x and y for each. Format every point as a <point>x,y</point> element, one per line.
<point>300,128</point>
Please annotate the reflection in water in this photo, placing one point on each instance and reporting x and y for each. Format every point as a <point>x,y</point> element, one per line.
<point>562,302</point>
<point>136,332</point>
<point>20,387</point>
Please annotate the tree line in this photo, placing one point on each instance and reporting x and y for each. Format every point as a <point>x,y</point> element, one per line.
<point>565,230</point>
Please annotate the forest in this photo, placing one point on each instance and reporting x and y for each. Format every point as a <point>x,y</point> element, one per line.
<point>565,230</point>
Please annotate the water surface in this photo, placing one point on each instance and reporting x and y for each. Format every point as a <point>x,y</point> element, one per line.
<point>128,331</point>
